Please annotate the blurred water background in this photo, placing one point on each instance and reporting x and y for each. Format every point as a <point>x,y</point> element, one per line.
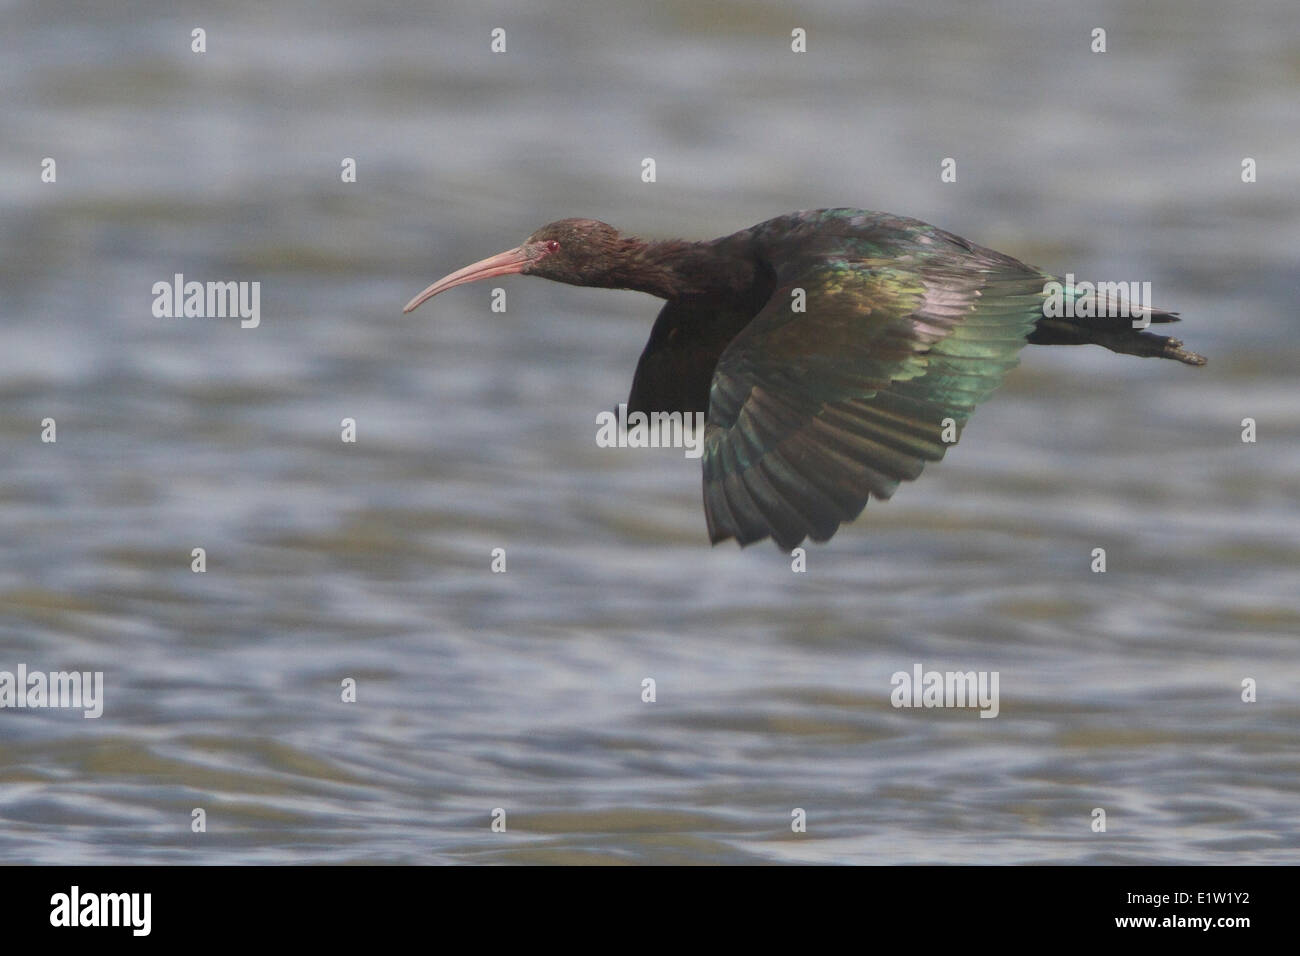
<point>476,431</point>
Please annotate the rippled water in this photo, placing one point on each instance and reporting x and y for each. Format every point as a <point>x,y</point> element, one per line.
<point>522,690</point>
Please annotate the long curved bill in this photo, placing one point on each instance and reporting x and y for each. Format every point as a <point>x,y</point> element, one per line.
<point>506,263</point>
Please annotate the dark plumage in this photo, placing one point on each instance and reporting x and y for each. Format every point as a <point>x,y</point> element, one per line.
<point>905,329</point>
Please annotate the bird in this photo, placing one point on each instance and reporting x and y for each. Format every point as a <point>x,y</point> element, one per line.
<point>833,352</point>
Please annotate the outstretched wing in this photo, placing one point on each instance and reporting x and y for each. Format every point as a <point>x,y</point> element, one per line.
<point>812,412</point>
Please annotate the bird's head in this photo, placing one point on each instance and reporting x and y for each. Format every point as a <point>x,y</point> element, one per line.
<point>576,251</point>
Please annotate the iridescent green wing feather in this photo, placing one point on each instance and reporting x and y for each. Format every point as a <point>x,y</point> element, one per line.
<point>905,326</point>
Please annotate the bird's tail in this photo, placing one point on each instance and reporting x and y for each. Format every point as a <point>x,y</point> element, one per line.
<point>1113,332</point>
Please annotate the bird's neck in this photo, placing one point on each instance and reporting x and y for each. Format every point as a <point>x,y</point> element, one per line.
<point>675,268</point>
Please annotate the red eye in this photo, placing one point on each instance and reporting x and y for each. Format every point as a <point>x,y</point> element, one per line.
<point>552,246</point>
